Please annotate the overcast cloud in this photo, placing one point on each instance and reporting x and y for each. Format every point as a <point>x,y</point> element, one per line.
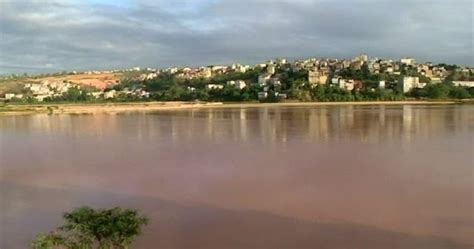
<point>53,35</point>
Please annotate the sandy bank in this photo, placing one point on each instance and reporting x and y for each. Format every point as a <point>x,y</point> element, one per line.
<point>288,104</point>
<point>83,108</point>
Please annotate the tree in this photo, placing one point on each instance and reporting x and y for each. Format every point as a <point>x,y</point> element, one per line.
<point>74,94</point>
<point>88,228</point>
<point>437,91</point>
<point>459,93</point>
<point>365,71</point>
<point>318,93</point>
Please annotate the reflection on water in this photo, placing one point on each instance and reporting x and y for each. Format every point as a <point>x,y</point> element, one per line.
<point>268,125</point>
<point>325,172</point>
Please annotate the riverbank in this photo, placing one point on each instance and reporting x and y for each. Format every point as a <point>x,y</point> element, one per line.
<point>90,108</point>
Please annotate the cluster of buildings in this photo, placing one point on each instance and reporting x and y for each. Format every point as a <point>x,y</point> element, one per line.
<point>40,91</point>
<point>319,72</point>
<point>237,84</point>
<point>53,89</point>
<point>193,73</point>
<point>206,72</point>
<point>464,83</point>
<point>126,92</point>
<point>329,71</point>
<point>148,76</point>
<point>133,69</point>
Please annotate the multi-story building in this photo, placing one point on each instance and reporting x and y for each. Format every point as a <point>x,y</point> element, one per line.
<point>382,84</point>
<point>263,79</point>
<point>408,83</point>
<point>271,68</point>
<point>362,57</point>
<point>317,77</point>
<point>408,61</point>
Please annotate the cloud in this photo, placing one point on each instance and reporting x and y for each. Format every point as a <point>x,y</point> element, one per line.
<point>99,34</point>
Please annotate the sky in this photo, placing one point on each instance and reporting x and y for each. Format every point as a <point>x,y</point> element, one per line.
<point>56,35</point>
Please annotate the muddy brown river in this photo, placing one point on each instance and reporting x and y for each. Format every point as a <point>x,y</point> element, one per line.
<point>329,177</point>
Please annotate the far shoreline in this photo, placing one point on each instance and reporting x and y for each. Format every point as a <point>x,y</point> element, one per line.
<point>120,107</point>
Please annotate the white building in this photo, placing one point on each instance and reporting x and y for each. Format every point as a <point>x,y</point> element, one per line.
<point>362,57</point>
<point>271,68</point>
<point>148,76</point>
<point>240,84</point>
<point>409,83</point>
<point>41,98</point>
<point>346,84</point>
<point>206,72</point>
<point>110,94</point>
<point>240,68</point>
<point>9,96</point>
<point>263,79</point>
<point>408,61</point>
<point>217,68</point>
<point>335,80</point>
<point>172,70</point>
<point>281,61</point>
<point>464,83</point>
<point>382,84</point>
<point>96,94</point>
<point>214,86</point>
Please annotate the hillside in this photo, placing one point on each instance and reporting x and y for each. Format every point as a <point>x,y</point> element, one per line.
<point>99,81</point>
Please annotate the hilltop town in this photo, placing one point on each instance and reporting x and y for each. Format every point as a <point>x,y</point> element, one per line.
<point>356,79</point>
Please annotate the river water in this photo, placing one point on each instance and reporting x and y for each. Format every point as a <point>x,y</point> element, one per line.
<point>381,176</point>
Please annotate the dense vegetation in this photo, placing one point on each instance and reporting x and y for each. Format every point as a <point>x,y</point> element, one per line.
<point>88,228</point>
<point>443,91</point>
